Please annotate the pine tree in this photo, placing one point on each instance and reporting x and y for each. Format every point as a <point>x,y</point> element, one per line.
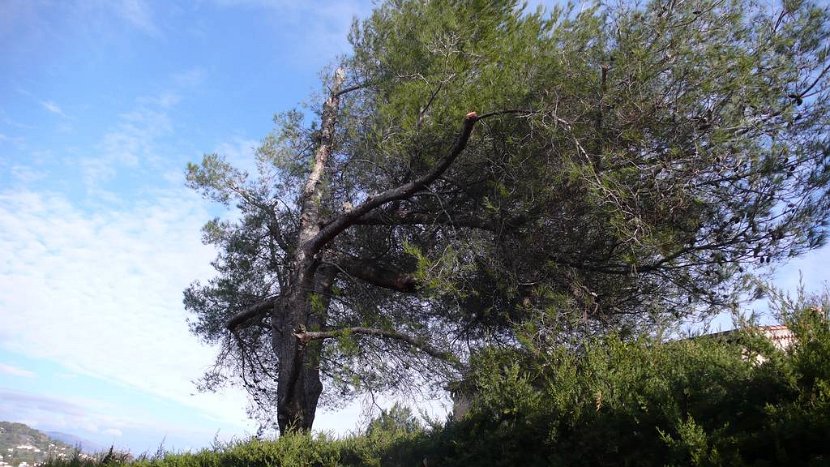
<point>477,166</point>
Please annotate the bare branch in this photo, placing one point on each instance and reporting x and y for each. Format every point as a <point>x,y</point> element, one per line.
<point>312,194</point>
<point>809,88</point>
<point>524,112</point>
<point>352,88</point>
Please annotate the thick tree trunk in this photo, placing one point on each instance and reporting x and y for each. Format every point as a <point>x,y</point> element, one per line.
<point>295,384</point>
<point>298,382</point>
<point>299,386</point>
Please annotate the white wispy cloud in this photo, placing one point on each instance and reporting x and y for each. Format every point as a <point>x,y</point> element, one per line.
<point>52,107</point>
<point>43,411</point>
<point>32,402</point>
<point>240,152</point>
<point>136,138</point>
<point>133,139</point>
<point>6,120</point>
<point>27,174</point>
<point>100,292</point>
<point>189,78</point>
<point>113,432</point>
<point>15,371</point>
<point>138,13</point>
<point>136,132</point>
<point>168,100</point>
<point>11,140</point>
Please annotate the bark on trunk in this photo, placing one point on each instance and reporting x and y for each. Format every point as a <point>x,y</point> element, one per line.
<point>298,382</point>
<point>299,385</point>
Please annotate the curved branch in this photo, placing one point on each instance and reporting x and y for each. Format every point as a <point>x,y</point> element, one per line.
<point>353,88</point>
<point>251,312</point>
<point>404,191</point>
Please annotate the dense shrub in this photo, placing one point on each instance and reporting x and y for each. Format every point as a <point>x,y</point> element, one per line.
<point>703,401</point>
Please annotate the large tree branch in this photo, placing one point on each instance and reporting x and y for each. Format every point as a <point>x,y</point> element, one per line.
<point>251,312</point>
<point>306,336</point>
<point>342,222</point>
<point>377,275</point>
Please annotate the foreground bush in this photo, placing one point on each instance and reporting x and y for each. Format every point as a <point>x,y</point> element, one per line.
<point>704,401</point>
<point>610,401</point>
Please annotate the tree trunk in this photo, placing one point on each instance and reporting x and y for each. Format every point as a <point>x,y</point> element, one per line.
<point>296,389</point>
<point>298,382</point>
<point>298,385</point>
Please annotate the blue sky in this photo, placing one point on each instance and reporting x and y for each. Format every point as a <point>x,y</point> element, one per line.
<point>102,103</point>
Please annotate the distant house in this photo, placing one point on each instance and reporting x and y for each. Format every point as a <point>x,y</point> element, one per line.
<point>780,335</point>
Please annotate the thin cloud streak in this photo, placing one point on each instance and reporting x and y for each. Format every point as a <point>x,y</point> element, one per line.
<point>36,403</point>
<point>25,174</point>
<point>138,14</point>
<point>190,78</point>
<point>53,108</point>
<point>92,418</point>
<point>15,371</point>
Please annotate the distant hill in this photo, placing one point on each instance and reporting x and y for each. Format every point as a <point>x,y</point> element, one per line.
<point>20,443</point>
<point>76,441</point>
